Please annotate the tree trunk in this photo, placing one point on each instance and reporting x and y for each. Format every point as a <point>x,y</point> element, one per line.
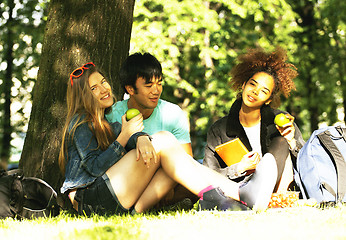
<point>342,71</point>
<point>307,40</point>
<point>77,32</point>
<point>6,121</point>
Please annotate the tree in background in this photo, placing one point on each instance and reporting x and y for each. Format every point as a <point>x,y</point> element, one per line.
<point>77,32</point>
<point>334,26</point>
<point>21,33</point>
<point>321,60</point>
<point>197,43</point>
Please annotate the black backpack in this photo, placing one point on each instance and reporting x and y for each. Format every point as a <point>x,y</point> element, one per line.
<point>26,197</point>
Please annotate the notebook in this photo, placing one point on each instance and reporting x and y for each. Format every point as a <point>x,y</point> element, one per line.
<point>232,151</point>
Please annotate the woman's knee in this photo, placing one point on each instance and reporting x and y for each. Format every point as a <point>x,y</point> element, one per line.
<point>163,135</point>
<point>164,140</point>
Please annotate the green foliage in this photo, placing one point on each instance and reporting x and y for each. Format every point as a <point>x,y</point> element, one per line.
<point>321,60</point>
<point>197,43</point>
<point>27,29</point>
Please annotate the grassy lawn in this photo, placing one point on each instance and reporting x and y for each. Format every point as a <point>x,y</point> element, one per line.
<point>288,223</point>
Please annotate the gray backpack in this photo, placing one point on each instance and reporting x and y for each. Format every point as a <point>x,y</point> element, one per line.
<point>26,197</point>
<point>321,166</point>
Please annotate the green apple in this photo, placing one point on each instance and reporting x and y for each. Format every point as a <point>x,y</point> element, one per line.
<point>281,119</point>
<point>131,113</point>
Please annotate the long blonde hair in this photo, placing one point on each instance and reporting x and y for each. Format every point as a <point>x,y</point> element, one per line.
<point>81,101</point>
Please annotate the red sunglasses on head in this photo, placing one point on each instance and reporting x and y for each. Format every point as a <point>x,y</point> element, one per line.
<point>79,71</point>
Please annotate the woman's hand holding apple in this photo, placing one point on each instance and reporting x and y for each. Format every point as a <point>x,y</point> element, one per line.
<point>286,128</point>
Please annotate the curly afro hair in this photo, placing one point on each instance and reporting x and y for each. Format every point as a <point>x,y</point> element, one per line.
<point>273,63</point>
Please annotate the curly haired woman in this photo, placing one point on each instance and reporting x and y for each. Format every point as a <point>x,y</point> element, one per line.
<point>260,78</point>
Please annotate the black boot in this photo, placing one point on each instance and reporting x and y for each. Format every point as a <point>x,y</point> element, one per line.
<point>215,200</point>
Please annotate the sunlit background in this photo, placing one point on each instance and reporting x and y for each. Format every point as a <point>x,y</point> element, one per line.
<point>197,43</point>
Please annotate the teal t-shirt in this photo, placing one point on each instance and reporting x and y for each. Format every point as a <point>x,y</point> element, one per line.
<point>165,117</point>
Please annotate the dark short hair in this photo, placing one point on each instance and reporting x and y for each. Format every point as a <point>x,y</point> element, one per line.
<point>139,65</point>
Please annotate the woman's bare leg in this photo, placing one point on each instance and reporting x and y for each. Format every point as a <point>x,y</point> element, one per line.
<point>129,178</point>
<point>182,168</point>
<point>158,187</point>
<point>178,165</point>
<point>185,170</point>
<point>135,183</point>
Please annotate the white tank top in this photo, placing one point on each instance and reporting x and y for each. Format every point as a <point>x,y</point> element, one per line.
<point>254,136</point>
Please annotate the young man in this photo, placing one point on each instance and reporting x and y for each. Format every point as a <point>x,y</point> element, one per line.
<point>141,78</point>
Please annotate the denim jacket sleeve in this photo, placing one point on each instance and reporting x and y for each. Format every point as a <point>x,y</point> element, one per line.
<point>94,160</point>
<point>131,144</point>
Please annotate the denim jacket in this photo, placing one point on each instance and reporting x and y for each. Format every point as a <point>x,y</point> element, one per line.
<point>86,162</point>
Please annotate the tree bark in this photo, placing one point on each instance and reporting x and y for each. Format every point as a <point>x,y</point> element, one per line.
<point>6,121</point>
<point>77,31</point>
<point>307,40</point>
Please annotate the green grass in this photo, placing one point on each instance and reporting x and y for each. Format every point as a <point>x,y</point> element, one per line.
<point>289,223</point>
